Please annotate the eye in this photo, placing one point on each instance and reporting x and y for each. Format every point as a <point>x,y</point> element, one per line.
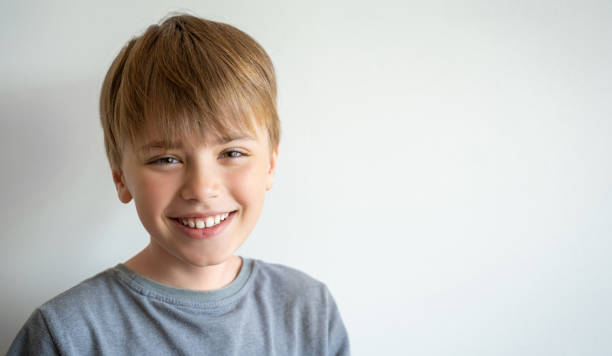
<point>164,161</point>
<point>233,154</point>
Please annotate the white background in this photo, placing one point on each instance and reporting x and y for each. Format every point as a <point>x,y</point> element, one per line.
<point>444,166</point>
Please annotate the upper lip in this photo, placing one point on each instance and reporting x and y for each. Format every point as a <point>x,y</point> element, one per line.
<point>197,215</point>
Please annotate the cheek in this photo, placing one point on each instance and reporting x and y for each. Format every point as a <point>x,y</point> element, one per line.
<point>248,185</point>
<point>151,196</point>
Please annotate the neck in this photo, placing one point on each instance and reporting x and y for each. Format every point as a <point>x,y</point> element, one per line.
<point>155,263</point>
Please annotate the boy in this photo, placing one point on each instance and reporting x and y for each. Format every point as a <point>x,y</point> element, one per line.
<point>191,132</point>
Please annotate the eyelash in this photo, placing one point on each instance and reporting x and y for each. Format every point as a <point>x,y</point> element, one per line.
<point>164,160</point>
<point>226,153</point>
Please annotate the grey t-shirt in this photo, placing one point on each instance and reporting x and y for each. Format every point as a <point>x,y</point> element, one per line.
<point>268,309</point>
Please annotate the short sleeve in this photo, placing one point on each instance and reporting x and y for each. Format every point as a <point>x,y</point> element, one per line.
<point>33,338</point>
<point>338,337</point>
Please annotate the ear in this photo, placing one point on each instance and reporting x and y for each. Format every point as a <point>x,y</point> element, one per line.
<point>271,169</point>
<point>122,191</point>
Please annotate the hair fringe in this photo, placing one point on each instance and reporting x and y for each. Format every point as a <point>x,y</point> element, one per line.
<point>188,77</point>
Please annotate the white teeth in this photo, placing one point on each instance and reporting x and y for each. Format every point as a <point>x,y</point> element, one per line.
<point>209,221</point>
<point>200,224</point>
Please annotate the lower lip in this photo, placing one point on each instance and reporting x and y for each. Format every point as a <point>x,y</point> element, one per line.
<point>205,233</point>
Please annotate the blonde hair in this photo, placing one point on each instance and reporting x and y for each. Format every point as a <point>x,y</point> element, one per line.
<point>188,76</point>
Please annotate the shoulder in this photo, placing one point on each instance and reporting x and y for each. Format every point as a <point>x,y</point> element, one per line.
<point>285,278</point>
<point>305,305</point>
<point>92,293</point>
<point>290,286</point>
<point>50,324</point>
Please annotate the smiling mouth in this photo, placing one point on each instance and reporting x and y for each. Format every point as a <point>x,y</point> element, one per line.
<point>201,223</point>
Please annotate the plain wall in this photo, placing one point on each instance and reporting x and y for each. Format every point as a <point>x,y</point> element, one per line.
<point>444,166</point>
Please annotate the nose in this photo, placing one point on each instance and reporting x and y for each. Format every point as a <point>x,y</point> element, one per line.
<point>202,182</point>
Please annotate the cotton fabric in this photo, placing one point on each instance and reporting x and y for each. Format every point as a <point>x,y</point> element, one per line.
<point>268,309</point>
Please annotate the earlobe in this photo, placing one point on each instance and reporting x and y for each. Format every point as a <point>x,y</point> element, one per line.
<point>122,191</point>
<point>272,169</point>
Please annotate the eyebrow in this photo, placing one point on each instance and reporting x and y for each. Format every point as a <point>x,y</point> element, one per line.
<point>171,145</point>
<point>227,139</point>
<point>159,145</point>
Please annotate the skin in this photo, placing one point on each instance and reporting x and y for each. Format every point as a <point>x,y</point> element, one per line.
<point>171,182</point>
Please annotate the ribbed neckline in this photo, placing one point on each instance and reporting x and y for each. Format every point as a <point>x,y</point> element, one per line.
<point>188,297</point>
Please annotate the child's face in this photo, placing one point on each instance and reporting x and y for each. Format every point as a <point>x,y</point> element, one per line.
<point>174,186</point>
